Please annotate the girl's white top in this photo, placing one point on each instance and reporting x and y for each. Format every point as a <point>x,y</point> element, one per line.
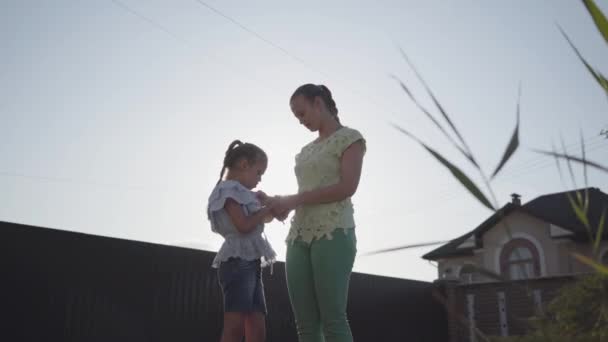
<point>250,246</point>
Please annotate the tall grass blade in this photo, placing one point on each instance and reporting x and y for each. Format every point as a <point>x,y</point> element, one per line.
<point>600,231</point>
<point>590,262</point>
<point>404,247</point>
<point>585,174</point>
<point>568,163</point>
<point>431,117</point>
<point>598,18</point>
<point>513,143</point>
<point>581,214</point>
<point>589,163</point>
<point>441,110</point>
<point>458,174</point>
<point>603,82</point>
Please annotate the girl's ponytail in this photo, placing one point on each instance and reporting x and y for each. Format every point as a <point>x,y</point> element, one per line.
<point>227,158</point>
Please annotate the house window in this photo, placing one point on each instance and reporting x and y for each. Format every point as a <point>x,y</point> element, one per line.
<point>519,259</point>
<point>467,273</point>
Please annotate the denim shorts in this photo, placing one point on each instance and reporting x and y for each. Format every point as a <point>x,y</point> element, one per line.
<point>242,287</point>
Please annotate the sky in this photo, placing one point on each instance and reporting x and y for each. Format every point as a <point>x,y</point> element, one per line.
<point>115,115</point>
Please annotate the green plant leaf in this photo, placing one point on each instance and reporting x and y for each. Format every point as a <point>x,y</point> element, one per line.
<point>431,117</point>
<point>585,173</point>
<point>603,82</point>
<point>460,176</point>
<point>568,163</point>
<point>574,158</point>
<point>590,262</point>
<point>513,144</point>
<point>580,212</point>
<point>598,18</point>
<point>441,110</point>
<point>558,166</point>
<point>403,247</point>
<point>600,231</point>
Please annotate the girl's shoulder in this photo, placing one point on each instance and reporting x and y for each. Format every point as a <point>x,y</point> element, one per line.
<point>230,189</point>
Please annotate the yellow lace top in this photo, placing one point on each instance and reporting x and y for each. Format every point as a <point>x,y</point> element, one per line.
<point>318,165</point>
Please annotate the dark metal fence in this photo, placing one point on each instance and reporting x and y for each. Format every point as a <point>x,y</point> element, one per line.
<point>65,286</point>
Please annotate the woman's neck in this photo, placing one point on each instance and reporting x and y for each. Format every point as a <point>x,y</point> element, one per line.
<point>327,128</point>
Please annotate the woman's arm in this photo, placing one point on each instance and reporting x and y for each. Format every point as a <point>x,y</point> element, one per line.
<point>243,223</point>
<point>350,174</point>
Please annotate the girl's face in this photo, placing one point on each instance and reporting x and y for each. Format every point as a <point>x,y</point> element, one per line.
<point>308,112</point>
<point>251,174</point>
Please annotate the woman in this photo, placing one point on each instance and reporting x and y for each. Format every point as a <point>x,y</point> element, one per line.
<point>321,242</point>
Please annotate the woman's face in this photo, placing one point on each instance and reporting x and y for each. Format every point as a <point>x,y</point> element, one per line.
<point>307,112</point>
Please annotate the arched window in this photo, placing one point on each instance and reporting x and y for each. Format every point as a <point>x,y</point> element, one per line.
<point>519,259</point>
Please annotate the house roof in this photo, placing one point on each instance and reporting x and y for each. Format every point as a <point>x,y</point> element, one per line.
<point>552,208</point>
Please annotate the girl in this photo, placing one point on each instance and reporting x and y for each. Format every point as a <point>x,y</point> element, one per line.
<point>236,213</point>
<point>321,242</point>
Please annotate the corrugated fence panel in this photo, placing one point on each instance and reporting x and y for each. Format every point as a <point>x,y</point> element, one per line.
<point>65,286</point>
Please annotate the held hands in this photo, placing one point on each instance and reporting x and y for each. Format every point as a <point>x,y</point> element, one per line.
<point>279,206</point>
<point>262,197</point>
<point>268,203</point>
<point>283,206</point>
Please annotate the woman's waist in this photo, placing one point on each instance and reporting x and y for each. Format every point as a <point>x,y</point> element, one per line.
<point>324,213</point>
<point>313,184</point>
<point>344,205</point>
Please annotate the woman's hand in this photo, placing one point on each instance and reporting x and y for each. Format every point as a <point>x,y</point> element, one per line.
<point>283,205</point>
<point>286,203</point>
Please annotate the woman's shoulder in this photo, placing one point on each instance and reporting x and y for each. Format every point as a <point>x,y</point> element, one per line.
<point>346,131</point>
<point>345,137</point>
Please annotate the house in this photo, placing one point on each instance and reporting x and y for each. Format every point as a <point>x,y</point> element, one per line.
<point>504,270</point>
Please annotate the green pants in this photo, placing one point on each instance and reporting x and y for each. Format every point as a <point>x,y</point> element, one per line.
<point>317,279</point>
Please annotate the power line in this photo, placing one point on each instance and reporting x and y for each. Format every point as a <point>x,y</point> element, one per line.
<point>257,35</point>
<point>438,198</point>
<point>293,56</point>
<point>239,72</point>
<point>148,20</point>
<point>177,38</point>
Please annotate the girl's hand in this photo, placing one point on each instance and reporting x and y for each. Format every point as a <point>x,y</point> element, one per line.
<point>268,218</point>
<point>262,197</point>
<point>281,216</point>
<point>269,205</point>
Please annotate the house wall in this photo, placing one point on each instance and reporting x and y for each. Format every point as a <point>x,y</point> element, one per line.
<point>455,264</point>
<point>521,225</point>
<point>555,253</point>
